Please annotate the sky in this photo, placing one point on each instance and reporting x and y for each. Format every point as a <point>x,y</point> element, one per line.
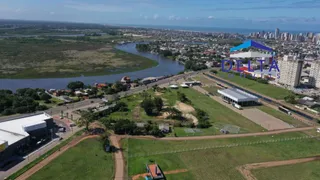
<point>246,14</point>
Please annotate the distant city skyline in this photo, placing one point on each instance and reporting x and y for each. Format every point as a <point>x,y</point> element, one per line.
<point>249,14</point>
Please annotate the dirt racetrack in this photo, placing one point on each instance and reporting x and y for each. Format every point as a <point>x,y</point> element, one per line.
<point>245,170</point>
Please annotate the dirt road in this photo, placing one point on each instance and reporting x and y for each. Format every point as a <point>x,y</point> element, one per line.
<point>245,170</point>
<point>47,160</point>
<point>119,159</point>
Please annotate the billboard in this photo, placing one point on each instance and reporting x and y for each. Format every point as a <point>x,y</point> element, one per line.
<point>3,145</point>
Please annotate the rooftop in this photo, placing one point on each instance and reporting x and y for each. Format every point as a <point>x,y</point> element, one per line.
<point>238,95</point>
<point>14,130</point>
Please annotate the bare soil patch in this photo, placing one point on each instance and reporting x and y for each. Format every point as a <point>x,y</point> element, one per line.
<point>185,108</point>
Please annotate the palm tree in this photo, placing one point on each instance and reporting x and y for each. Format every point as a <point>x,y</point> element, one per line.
<point>86,119</point>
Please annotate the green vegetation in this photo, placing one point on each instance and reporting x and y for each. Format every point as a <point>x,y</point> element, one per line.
<point>216,114</point>
<point>284,117</point>
<point>75,85</point>
<point>143,47</point>
<point>80,163</point>
<point>48,57</point>
<point>23,101</point>
<point>39,159</point>
<point>309,170</point>
<point>152,106</point>
<point>194,66</point>
<point>265,89</point>
<point>220,163</point>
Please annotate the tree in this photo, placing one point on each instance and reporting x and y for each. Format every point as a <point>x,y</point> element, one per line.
<point>86,119</point>
<point>182,97</point>
<point>45,97</point>
<point>158,103</point>
<point>203,119</point>
<point>124,126</point>
<point>214,71</point>
<point>75,85</point>
<point>155,131</point>
<point>290,99</point>
<point>173,113</point>
<point>148,106</point>
<point>143,47</point>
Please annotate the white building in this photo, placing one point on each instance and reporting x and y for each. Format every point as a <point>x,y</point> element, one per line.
<point>290,71</point>
<point>238,96</point>
<point>315,73</point>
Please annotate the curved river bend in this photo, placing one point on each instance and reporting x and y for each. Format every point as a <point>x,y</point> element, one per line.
<point>165,67</point>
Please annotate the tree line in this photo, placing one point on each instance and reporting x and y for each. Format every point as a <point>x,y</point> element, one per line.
<point>23,101</point>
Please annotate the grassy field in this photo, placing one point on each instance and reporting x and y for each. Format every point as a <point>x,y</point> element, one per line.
<point>219,115</point>
<point>265,89</point>
<point>87,160</point>
<point>284,117</point>
<point>54,57</point>
<point>219,163</point>
<point>307,171</point>
<point>54,102</point>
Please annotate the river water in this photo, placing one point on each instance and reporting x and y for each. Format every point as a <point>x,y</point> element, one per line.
<point>165,67</point>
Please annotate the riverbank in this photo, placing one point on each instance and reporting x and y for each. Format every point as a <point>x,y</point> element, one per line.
<point>164,67</point>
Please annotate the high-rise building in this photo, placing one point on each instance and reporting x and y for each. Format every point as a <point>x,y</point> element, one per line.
<point>290,70</point>
<point>315,73</point>
<point>277,33</point>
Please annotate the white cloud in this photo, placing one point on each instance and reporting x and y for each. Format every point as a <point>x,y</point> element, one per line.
<point>156,16</point>
<point>146,17</point>
<point>18,10</point>
<point>173,17</point>
<point>210,17</point>
<point>96,7</point>
<point>52,13</point>
<point>187,18</point>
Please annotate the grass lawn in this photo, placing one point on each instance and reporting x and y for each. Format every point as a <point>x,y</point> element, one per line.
<point>87,160</point>
<point>219,115</point>
<point>219,163</point>
<point>309,170</point>
<point>54,102</point>
<point>284,117</point>
<point>212,89</point>
<point>265,89</point>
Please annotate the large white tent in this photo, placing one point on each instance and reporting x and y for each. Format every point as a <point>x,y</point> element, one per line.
<point>250,54</point>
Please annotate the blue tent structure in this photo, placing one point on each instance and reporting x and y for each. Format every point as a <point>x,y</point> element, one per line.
<point>251,43</point>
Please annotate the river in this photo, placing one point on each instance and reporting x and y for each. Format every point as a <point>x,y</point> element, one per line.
<point>165,67</point>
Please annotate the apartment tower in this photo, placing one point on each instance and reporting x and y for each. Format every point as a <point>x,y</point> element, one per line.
<point>315,73</point>
<point>290,70</point>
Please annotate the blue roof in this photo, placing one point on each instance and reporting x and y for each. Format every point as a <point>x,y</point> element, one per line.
<point>251,43</point>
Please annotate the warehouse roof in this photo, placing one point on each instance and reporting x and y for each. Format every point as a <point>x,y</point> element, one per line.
<point>13,130</point>
<point>237,95</point>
